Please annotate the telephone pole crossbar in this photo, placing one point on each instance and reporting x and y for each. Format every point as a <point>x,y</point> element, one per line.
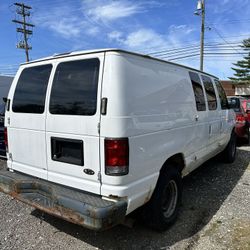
<point>24,11</point>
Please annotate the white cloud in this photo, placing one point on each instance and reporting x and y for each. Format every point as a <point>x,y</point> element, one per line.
<point>110,10</point>
<point>140,40</point>
<point>92,30</point>
<point>181,29</point>
<point>92,17</point>
<point>144,39</point>
<point>65,25</point>
<point>115,36</point>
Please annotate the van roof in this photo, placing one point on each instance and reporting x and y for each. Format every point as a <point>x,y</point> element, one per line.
<point>84,52</point>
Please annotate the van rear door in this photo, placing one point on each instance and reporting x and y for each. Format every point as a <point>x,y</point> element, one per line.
<point>72,123</point>
<point>25,120</point>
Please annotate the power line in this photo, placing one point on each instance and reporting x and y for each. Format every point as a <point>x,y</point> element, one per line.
<point>227,53</point>
<point>192,46</point>
<point>188,50</point>
<point>182,57</point>
<point>218,33</point>
<point>194,49</point>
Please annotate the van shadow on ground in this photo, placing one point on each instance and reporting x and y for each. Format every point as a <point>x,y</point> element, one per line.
<point>204,192</point>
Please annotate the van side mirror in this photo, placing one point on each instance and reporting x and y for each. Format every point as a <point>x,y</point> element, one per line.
<point>248,111</point>
<point>5,99</point>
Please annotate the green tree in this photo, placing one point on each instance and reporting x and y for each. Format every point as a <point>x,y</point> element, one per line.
<point>242,69</point>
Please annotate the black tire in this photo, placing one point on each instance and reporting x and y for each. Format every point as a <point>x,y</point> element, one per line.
<point>229,153</point>
<point>162,209</point>
<point>248,137</point>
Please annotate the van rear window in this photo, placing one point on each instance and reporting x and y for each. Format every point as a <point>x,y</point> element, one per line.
<point>31,90</point>
<point>74,89</point>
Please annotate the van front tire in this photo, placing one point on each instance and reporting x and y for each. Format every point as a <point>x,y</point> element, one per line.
<point>162,210</point>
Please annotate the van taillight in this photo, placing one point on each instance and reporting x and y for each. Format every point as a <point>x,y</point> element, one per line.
<point>116,156</point>
<point>6,139</point>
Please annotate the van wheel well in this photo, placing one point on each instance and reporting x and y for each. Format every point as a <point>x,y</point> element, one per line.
<point>176,160</point>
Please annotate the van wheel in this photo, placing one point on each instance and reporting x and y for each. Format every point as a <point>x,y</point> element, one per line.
<point>229,153</point>
<point>248,138</point>
<point>161,211</point>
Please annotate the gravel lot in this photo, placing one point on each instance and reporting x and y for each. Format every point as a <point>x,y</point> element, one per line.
<point>214,215</point>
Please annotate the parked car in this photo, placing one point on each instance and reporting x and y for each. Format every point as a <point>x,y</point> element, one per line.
<point>242,124</point>
<point>246,107</point>
<point>2,145</point>
<point>94,135</point>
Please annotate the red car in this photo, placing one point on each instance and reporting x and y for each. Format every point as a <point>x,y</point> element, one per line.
<point>246,106</point>
<point>242,123</point>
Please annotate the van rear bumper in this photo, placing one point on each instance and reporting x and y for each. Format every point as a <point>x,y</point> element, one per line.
<point>88,210</point>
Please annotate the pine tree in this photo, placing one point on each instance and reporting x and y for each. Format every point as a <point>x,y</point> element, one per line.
<point>242,69</point>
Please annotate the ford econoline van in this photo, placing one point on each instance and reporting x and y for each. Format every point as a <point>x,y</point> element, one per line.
<point>93,135</point>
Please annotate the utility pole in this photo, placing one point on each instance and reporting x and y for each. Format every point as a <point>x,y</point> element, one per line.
<point>202,33</point>
<point>24,12</point>
<point>201,12</point>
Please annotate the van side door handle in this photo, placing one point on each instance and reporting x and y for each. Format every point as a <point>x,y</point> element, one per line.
<point>196,118</point>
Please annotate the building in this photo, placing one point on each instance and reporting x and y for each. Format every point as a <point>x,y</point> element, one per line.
<point>233,89</point>
<point>229,87</point>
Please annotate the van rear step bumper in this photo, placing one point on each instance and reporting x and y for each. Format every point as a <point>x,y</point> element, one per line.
<point>88,210</point>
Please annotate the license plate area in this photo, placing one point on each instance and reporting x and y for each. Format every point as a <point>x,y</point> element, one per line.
<point>67,150</point>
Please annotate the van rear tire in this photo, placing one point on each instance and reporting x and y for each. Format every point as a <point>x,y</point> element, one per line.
<point>229,153</point>
<point>162,210</point>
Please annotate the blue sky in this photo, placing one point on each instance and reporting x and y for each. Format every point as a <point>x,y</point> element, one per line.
<point>141,26</point>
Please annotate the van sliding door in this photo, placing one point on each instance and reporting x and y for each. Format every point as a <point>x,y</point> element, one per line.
<point>199,145</point>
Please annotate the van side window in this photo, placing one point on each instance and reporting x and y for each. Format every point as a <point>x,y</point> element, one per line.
<point>31,90</point>
<point>198,91</point>
<point>74,89</point>
<point>222,95</point>
<point>210,92</point>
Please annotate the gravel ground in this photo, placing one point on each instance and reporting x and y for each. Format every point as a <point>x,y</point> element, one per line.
<point>214,215</point>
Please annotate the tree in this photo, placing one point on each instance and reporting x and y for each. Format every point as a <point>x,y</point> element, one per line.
<point>242,69</point>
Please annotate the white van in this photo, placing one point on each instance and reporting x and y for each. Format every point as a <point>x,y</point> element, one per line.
<point>94,135</point>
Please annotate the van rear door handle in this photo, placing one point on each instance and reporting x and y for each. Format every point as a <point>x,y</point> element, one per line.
<point>196,118</point>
